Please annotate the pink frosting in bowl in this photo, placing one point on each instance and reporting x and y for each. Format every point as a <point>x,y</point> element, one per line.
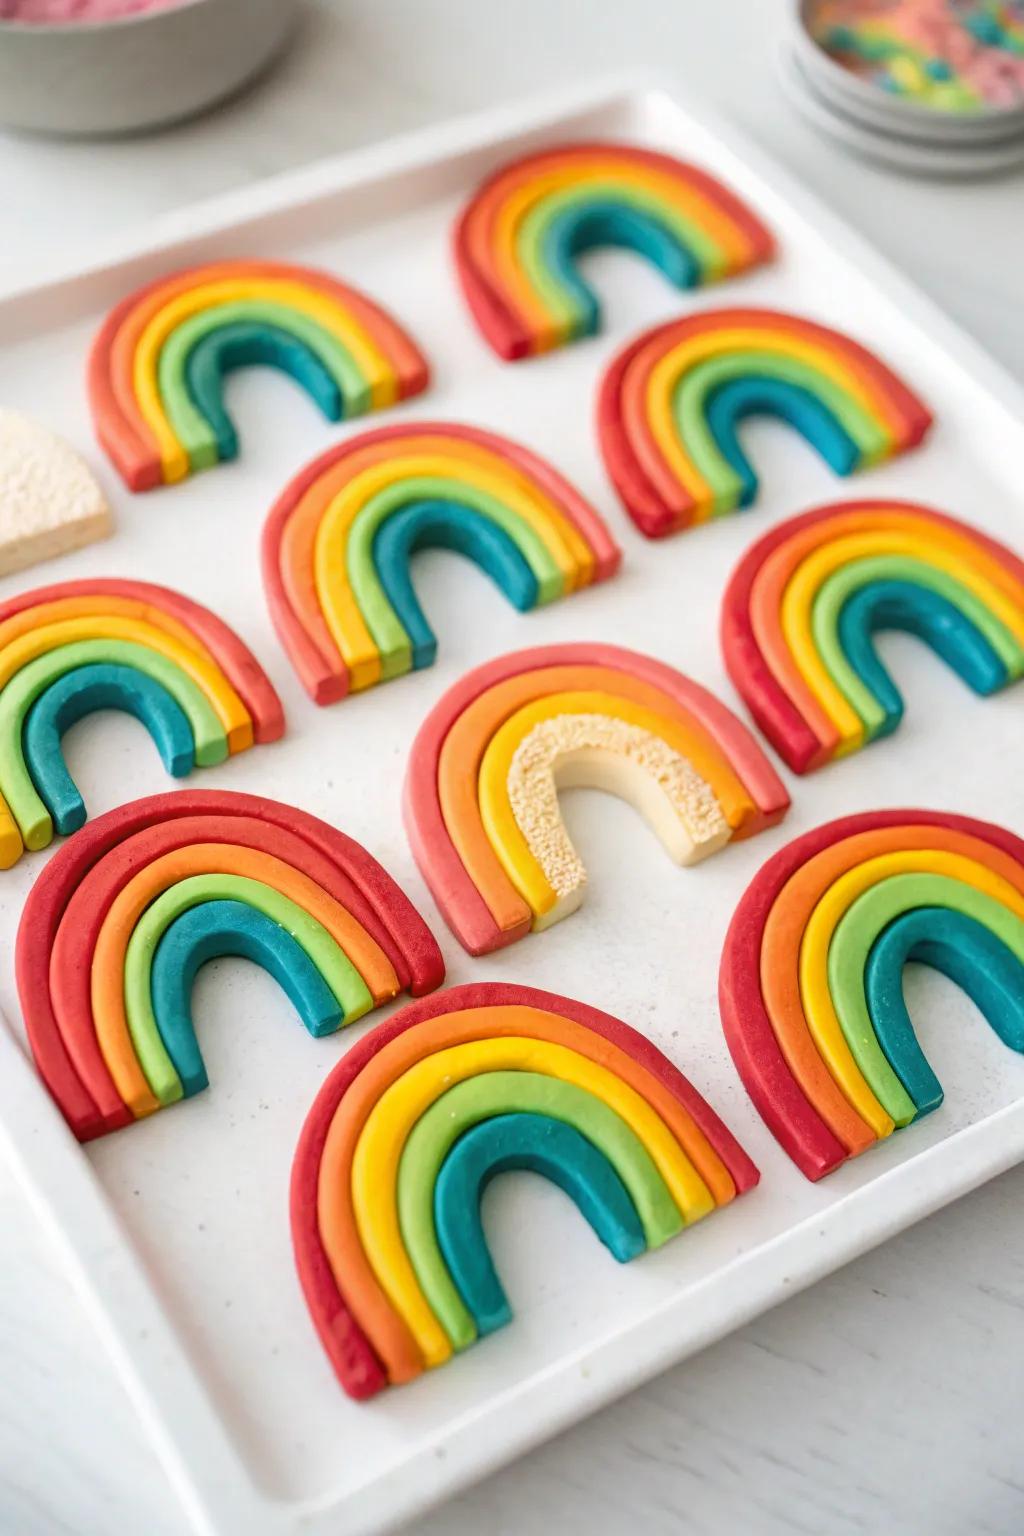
<point>63,12</point>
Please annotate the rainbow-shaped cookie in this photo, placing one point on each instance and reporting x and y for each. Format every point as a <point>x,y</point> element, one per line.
<point>157,365</point>
<point>481,806</point>
<point>110,643</point>
<point>519,237</point>
<point>121,919</point>
<point>428,1107</point>
<point>802,606</point>
<point>811,978</point>
<point>671,403</point>
<point>339,540</point>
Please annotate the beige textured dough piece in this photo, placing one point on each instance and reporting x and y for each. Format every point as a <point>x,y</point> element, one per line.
<point>49,501</point>
<point>599,752</point>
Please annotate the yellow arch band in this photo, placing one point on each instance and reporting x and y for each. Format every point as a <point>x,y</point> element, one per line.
<point>379,1149</point>
<point>814,946</point>
<point>230,710</point>
<point>803,586</point>
<point>496,813</point>
<point>328,313</point>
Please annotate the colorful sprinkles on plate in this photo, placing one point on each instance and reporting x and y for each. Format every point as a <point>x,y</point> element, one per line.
<point>958,56</point>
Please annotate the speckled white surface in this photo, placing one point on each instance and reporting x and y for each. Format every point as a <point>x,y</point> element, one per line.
<point>840,1412</point>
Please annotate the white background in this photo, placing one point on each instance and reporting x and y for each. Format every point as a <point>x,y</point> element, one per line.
<point>887,1399</point>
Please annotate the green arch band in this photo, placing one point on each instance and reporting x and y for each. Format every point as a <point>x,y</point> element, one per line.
<point>79,693</point>
<point>499,1093</point>
<point>970,955</point>
<point>535,1144</point>
<point>211,931</point>
<point>25,687</point>
<point>194,432</point>
<point>851,945</point>
<point>329,958</point>
<point>388,633</point>
<point>837,590</point>
<point>697,384</point>
<point>533,250</point>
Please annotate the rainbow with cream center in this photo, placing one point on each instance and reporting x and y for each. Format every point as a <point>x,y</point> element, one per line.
<point>672,402</point>
<point>121,919</point>
<point>417,1118</point>
<point>802,606</point>
<point>810,986</point>
<point>518,240</point>
<point>157,365</point>
<point>481,786</point>
<point>338,544</point>
<point>110,643</point>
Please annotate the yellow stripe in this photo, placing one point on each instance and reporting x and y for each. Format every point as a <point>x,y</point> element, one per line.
<point>330,313</point>
<point>379,1150</point>
<point>814,946</point>
<point>503,831</point>
<point>803,587</point>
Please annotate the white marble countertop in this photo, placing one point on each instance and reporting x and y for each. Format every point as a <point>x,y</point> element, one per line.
<point>886,1399</point>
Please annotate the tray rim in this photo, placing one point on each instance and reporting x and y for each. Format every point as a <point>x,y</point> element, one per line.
<point>207,1473</point>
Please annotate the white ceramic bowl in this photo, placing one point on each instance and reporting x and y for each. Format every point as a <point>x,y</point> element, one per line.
<point>138,72</point>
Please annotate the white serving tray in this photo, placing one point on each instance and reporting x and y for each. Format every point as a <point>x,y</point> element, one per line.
<point>175,1230</point>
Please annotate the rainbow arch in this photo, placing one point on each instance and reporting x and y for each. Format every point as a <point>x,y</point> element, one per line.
<point>672,401</point>
<point>338,542</point>
<point>802,606</point>
<point>480,798</point>
<point>101,643</point>
<point>810,982</point>
<point>121,919</point>
<point>157,365</point>
<point>426,1108</point>
<point>518,239</point>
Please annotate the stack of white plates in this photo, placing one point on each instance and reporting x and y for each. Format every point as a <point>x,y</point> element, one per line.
<point>898,130</point>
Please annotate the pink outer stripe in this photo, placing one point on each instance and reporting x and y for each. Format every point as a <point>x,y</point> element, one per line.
<point>461,904</point>
<point>319,673</point>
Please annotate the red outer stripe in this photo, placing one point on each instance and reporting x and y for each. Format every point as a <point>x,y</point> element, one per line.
<point>501,325</point>
<point>392,918</point>
<point>775,1092</point>
<point>462,906</point>
<point>647,508</point>
<point>138,460</point>
<point>318,673</point>
<point>354,1362</point>
<point>768,702</point>
<point>231,654</point>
